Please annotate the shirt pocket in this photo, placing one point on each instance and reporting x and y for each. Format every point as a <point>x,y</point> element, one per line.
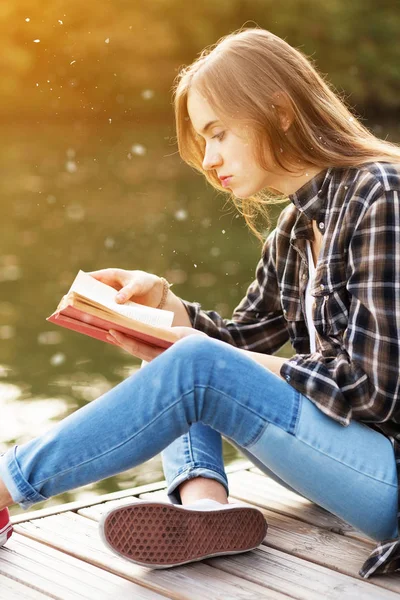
<point>293,313</point>
<point>291,304</point>
<point>332,300</point>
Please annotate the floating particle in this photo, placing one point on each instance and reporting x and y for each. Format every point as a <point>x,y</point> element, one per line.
<point>36,41</point>
<point>109,242</point>
<point>75,212</point>
<point>147,94</point>
<point>71,166</point>
<point>107,41</point>
<point>57,359</point>
<point>181,215</point>
<point>138,149</point>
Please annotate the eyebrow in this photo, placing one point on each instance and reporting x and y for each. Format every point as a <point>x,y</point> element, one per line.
<point>204,130</point>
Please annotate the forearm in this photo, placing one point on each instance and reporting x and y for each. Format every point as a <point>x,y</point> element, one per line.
<point>175,305</point>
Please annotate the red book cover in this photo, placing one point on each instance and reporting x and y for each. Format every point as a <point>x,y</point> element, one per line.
<point>96,327</point>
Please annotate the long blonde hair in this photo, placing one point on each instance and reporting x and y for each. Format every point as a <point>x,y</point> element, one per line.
<point>249,76</point>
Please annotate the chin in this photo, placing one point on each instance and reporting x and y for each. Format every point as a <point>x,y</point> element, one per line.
<point>243,194</point>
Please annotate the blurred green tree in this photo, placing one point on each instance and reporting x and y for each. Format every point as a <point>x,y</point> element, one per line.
<point>117,60</point>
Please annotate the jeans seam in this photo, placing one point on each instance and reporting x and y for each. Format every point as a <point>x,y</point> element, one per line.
<point>393,485</point>
<point>299,404</point>
<point>190,446</point>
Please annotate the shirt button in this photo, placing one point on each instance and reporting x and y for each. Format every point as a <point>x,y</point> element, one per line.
<point>304,275</point>
<point>321,225</point>
<point>322,287</point>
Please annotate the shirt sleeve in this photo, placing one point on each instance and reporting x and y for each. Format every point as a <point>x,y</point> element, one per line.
<point>257,323</point>
<point>362,381</point>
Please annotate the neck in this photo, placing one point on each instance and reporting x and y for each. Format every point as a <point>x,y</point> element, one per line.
<point>288,183</point>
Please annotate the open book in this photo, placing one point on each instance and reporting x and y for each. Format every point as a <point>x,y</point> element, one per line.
<point>90,308</point>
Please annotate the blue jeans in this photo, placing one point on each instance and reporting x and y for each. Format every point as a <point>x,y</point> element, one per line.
<point>181,403</point>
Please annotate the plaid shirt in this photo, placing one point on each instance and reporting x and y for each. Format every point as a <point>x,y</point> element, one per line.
<point>355,372</point>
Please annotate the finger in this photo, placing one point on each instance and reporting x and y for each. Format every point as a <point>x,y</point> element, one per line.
<point>132,288</point>
<point>108,276</point>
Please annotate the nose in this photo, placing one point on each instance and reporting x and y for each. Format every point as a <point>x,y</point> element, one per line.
<point>212,159</point>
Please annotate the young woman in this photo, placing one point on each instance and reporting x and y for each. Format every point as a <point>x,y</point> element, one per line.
<point>257,119</point>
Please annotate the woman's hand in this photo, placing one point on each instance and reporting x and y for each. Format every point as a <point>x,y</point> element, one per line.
<point>142,350</point>
<point>139,286</point>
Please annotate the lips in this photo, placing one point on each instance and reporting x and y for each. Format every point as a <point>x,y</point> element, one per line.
<point>225,179</point>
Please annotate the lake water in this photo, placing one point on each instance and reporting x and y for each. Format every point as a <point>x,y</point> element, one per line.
<point>87,197</point>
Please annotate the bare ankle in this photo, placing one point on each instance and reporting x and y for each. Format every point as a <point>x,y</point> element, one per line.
<point>199,488</point>
<point>5,497</point>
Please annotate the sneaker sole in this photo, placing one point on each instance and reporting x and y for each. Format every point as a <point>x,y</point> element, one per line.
<point>5,534</point>
<point>158,535</point>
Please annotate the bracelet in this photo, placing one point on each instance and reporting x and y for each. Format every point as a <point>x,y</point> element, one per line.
<point>166,287</point>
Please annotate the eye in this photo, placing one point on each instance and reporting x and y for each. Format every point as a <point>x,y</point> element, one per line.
<point>219,136</point>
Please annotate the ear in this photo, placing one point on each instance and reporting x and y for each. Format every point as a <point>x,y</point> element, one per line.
<point>284,110</point>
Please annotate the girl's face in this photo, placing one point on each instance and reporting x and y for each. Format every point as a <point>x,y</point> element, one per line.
<point>228,150</point>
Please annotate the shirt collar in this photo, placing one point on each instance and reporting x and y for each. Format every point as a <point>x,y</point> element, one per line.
<point>311,197</point>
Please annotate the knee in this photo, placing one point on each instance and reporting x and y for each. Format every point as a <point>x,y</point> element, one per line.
<point>200,352</point>
<point>195,345</point>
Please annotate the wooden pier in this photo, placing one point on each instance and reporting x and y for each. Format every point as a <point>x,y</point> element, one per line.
<point>308,554</point>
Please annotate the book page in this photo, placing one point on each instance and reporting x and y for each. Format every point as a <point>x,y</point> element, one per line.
<point>95,290</point>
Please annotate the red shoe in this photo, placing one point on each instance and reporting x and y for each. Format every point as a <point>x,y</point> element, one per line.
<point>5,526</point>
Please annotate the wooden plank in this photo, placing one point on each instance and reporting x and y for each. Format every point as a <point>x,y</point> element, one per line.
<point>298,578</point>
<point>73,506</point>
<point>266,493</point>
<point>58,575</point>
<point>95,512</point>
<point>15,590</point>
<point>78,536</point>
<point>325,548</point>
